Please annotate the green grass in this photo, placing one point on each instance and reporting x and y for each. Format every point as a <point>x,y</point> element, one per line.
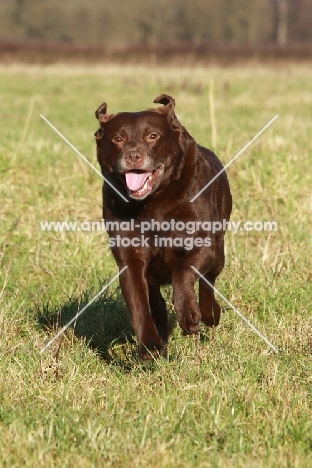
<point>225,400</point>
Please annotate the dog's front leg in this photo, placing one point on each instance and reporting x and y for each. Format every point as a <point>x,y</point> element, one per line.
<point>184,298</point>
<point>135,290</point>
<point>183,280</point>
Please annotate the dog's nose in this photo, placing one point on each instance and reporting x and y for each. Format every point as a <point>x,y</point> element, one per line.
<point>134,157</point>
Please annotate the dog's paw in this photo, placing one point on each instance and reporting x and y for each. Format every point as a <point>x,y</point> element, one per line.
<point>151,351</point>
<point>189,322</point>
<point>213,319</point>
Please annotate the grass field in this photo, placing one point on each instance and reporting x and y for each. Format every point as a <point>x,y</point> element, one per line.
<point>226,400</point>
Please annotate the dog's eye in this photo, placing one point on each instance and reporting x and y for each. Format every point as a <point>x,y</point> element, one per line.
<point>117,139</point>
<point>153,136</point>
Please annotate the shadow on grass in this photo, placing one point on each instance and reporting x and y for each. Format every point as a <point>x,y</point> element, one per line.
<point>104,325</point>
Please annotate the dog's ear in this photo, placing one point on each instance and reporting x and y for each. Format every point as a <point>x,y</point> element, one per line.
<point>101,115</point>
<point>101,110</point>
<point>168,108</point>
<point>167,101</point>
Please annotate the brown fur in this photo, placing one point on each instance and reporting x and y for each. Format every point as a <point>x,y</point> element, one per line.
<point>154,140</point>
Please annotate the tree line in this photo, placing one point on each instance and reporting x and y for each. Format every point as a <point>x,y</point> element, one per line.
<point>113,22</point>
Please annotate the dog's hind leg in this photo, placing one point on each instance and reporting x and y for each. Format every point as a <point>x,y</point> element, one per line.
<point>159,311</point>
<point>209,307</point>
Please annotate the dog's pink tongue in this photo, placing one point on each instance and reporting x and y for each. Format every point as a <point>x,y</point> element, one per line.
<point>135,180</point>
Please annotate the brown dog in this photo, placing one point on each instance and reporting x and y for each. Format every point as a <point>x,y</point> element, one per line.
<point>157,166</point>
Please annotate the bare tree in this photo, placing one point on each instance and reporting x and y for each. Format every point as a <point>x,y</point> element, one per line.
<point>104,22</point>
<point>282,20</point>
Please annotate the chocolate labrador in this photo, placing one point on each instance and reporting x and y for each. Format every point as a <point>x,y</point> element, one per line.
<point>153,168</point>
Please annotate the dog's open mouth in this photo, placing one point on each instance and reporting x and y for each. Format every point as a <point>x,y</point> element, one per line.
<point>140,183</point>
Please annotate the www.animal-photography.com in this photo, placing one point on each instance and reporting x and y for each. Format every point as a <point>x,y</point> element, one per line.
<point>155,233</point>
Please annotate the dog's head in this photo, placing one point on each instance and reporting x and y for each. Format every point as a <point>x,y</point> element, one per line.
<point>145,150</point>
